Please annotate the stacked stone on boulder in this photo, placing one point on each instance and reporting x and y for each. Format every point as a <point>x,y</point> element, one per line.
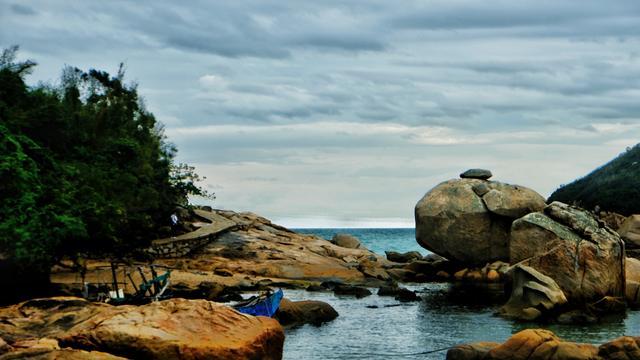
<point>468,220</point>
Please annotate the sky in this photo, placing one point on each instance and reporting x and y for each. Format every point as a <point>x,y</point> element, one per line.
<point>344,114</point>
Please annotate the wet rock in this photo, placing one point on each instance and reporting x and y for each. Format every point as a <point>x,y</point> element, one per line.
<point>293,313</point>
<point>406,295</point>
<point>315,288</point>
<point>358,292</point>
<point>532,294</point>
<point>403,257</point>
<point>473,351</point>
<point>452,220</point>
<point>577,317</point>
<point>481,174</point>
<point>402,275</point>
<point>568,244</point>
<point>346,241</point>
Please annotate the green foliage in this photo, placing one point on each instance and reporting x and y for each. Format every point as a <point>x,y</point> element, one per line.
<point>614,186</point>
<point>85,169</point>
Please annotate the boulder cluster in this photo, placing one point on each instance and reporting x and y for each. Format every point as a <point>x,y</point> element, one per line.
<point>558,257</point>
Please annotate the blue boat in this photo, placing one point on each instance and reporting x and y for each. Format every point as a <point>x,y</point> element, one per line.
<point>265,305</point>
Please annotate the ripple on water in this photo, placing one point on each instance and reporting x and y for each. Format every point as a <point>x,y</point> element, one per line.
<point>446,316</point>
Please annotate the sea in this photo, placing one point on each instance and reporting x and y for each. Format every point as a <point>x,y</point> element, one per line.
<point>377,327</point>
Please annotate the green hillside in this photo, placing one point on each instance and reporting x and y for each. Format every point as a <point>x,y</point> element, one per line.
<point>614,186</point>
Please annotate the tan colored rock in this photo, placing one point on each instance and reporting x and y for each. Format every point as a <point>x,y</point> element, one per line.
<point>179,329</point>
<point>57,354</point>
<point>473,351</point>
<point>541,344</point>
<point>493,276</point>
<point>346,241</point>
<point>531,292</point>
<point>460,275</point>
<point>170,329</point>
<point>452,220</point>
<point>513,201</point>
<point>443,274</point>
<point>622,348</point>
<point>569,245</point>
<point>630,231</point>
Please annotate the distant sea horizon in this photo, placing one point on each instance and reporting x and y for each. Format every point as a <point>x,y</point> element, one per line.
<point>377,240</point>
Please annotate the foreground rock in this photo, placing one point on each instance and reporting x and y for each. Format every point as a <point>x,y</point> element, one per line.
<point>294,313</point>
<point>632,279</point>
<point>538,344</point>
<point>532,295</point>
<point>170,329</point>
<point>584,257</point>
<point>468,220</point>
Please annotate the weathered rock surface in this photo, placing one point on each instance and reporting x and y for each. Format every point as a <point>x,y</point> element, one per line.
<point>532,294</point>
<point>399,293</point>
<point>630,231</point>
<point>403,257</point>
<point>452,220</point>
<point>584,257</point>
<point>346,241</point>
<point>170,329</point>
<point>539,344</point>
<point>632,278</point>
<point>293,313</point>
<point>252,249</point>
<point>481,174</point>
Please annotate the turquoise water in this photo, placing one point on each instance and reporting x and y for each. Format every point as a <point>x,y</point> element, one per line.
<point>376,240</point>
<point>446,316</point>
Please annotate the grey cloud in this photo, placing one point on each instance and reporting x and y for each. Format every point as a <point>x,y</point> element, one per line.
<point>22,9</point>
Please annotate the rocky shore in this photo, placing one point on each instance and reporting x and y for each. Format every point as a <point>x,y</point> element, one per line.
<point>559,263</point>
<point>539,344</point>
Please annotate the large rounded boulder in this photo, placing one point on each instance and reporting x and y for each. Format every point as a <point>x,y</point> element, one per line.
<point>468,220</point>
<point>584,257</point>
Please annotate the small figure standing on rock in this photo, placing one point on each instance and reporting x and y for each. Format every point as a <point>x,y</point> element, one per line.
<point>174,223</point>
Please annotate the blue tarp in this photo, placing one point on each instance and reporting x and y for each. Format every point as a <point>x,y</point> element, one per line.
<point>265,307</point>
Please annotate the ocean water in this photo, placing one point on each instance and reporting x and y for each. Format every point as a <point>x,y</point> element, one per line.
<point>381,328</point>
<point>376,240</point>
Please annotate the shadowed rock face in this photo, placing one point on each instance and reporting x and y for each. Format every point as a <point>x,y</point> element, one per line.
<point>170,329</point>
<point>532,294</point>
<point>630,231</point>
<point>468,220</point>
<point>585,258</point>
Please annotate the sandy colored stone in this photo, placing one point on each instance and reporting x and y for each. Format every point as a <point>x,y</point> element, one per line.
<point>473,351</point>
<point>452,220</point>
<point>531,292</point>
<point>460,274</point>
<point>569,245</point>
<point>622,348</point>
<point>493,276</point>
<point>169,329</point>
<point>58,354</point>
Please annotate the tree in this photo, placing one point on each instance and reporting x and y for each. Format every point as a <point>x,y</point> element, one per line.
<point>85,169</point>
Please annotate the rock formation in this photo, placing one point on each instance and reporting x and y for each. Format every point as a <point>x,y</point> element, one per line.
<point>170,329</point>
<point>468,220</point>
<point>293,313</point>
<point>539,344</point>
<point>584,257</point>
<point>346,241</point>
<point>630,231</point>
<point>532,294</point>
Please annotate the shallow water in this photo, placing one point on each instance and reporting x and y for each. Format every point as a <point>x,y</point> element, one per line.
<point>446,316</point>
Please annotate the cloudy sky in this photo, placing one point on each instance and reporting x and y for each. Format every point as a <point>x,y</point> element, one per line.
<point>331,113</point>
